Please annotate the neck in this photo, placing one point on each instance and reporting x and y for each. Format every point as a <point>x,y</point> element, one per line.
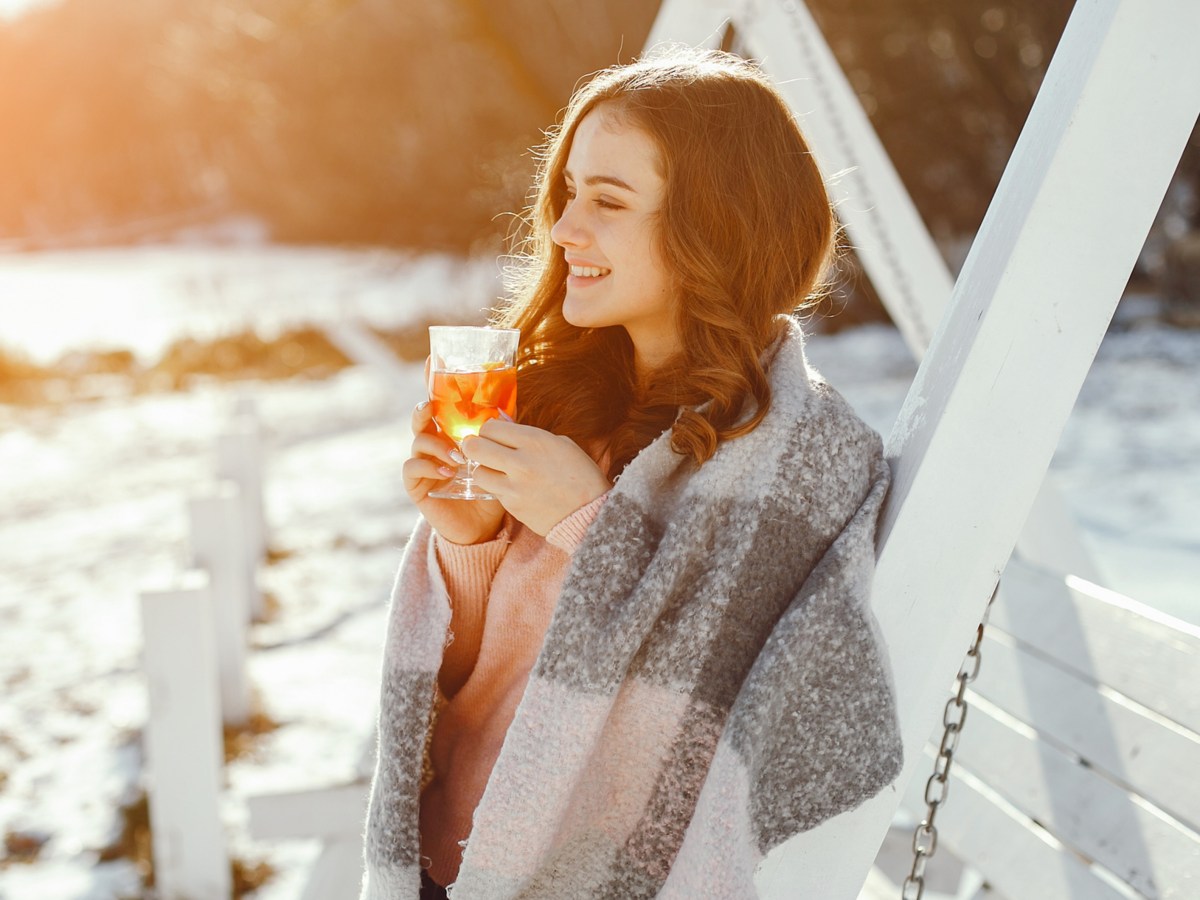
<point>649,359</point>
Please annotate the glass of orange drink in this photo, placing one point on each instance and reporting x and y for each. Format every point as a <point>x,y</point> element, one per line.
<point>472,378</point>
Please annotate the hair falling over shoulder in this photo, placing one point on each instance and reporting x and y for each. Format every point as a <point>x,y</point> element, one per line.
<point>746,225</point>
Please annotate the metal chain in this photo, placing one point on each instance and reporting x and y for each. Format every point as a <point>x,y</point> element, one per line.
<point>937,788</point>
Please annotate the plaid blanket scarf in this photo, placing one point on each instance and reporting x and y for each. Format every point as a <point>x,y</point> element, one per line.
<point>711,684</point>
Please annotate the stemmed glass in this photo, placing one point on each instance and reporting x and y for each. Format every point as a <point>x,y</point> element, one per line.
<point>472,378</point>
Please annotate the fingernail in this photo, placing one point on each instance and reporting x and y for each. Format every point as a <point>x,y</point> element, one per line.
<point>422,404</point>
<point>505,416</point>
<point>446,470</point>
<point>457,456</point>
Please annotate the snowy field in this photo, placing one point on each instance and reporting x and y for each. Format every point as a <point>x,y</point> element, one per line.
<point>93,498</point>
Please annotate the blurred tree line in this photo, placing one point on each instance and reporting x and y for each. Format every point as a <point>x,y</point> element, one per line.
<point>395,122</point>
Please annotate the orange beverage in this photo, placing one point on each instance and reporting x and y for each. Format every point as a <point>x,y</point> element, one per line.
<point>463,401</point>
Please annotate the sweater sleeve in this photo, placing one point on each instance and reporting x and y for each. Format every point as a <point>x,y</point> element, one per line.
<point>468,570</point>
<point>568,534</point>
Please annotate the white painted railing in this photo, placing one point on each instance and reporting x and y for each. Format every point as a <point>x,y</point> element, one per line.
<point>183,740</point>
<point>194,659</point>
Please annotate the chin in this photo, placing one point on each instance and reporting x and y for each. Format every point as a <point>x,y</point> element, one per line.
<point>577,316</point>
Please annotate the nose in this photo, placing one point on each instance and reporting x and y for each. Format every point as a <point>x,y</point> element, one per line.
<point>568,231</point>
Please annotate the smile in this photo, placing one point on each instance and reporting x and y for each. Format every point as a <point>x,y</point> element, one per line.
<point>588,271</point>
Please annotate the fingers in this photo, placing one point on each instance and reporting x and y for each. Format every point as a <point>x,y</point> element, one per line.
<point>489,453</point>
<point>436,446</point>
<point>421,469</point>
<point>422,418</point>
<point>509,433</point>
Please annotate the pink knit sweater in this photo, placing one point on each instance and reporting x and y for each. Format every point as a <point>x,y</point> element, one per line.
<point>502,595</point>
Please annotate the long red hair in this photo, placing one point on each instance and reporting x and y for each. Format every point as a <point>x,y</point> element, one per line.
<point>746,226</point>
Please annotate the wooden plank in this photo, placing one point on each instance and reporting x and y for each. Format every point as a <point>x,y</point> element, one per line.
<point>240,460</point>
<point>1155,855</point>
<point>1016,856</point>
<point>1139,751</point>
<point>183,741</point>
<point>337,871</point>
<point>1104,637</point>
<point>329,813</point>
<point>217,545</point>
<point>1130,744</point>
<point>980,424</point>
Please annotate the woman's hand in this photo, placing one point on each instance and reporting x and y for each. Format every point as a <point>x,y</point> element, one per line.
<point>541,478</point>
<point>431,466</point>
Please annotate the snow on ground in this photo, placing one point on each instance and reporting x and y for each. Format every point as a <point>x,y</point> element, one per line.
<point>93,510</point>
<point>142,298</point>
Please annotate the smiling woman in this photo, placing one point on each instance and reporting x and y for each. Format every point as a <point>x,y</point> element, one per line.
<point>608,231</point>
<point>651,658</point>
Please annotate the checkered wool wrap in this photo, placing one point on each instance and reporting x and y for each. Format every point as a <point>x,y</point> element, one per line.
<point>711,684</point>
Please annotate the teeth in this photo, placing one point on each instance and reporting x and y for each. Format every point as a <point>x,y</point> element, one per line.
<point>588,271</point>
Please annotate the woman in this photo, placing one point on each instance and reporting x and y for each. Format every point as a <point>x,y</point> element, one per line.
<point>652,659</point>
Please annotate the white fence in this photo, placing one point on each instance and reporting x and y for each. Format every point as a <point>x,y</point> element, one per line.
<point>195,635</point>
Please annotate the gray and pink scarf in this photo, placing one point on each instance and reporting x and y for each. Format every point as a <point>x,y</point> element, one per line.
<point>711,684</point>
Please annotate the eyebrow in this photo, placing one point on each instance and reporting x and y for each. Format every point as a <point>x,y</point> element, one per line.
<point>603,179</point>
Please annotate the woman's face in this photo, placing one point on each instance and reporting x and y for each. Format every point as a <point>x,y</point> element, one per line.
<point>608,234</point>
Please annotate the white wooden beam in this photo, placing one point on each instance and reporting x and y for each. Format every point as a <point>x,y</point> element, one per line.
<point>217,544</point>
<point>1097,819</point>
<point>183,741</point>
<point>1113,736</point>
<point>1105,638</point>
<point>1021,859</point>
<point>983,417</point>
<point>239,459</point>
<point>329,813</point>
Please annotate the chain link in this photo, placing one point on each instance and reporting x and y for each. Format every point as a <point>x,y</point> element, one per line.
<point>937,788</point>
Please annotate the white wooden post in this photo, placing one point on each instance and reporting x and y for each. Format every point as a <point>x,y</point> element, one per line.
<point>183,742</point>
<point>335,815</point>
<point>1030,308</point>
<point>217,545</point>
<point>239,459</point>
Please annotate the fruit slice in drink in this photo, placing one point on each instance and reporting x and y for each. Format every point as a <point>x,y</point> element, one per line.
<point>463,401</point>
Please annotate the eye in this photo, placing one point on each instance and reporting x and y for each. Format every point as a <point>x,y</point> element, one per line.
<point>605,203</point>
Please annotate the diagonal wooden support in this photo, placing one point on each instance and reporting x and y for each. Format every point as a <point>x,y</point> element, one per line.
<point>984,414</point>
